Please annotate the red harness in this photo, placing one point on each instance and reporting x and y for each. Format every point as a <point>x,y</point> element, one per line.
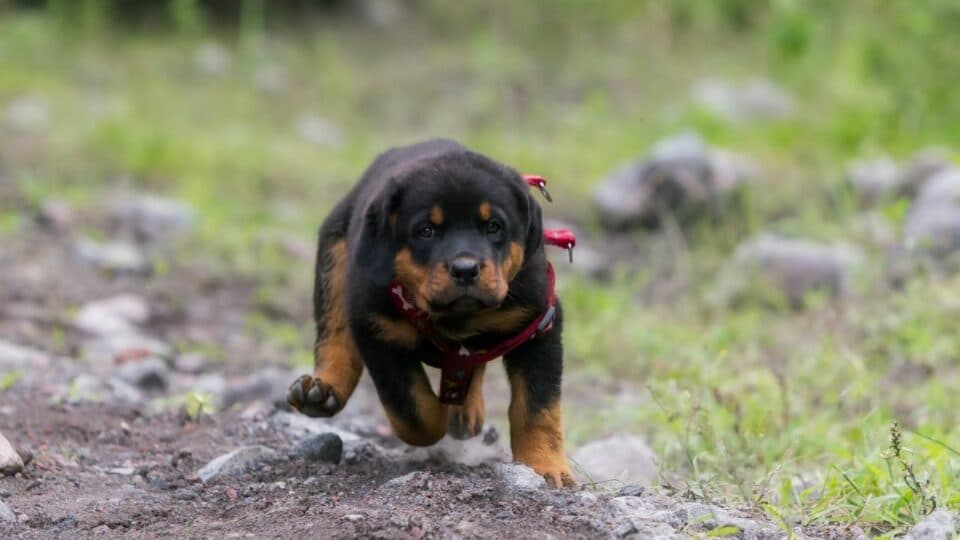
<point>457,363</point>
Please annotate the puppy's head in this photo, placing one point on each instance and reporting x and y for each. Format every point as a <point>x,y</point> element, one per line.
<point>454,229</point>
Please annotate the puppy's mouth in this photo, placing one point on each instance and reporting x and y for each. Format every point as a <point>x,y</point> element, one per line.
<point>461,304</point>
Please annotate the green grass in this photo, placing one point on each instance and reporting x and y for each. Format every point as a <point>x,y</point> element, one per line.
<point>789,412</point>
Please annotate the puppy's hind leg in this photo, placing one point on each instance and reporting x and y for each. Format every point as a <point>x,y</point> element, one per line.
<point>337,363</point>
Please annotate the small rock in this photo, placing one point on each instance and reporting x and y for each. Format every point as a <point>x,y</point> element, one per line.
<point>149,374</point>
<point>416,480</point>
<point>6,514</point>
<point>939,525</point>
<point>28,113</point>
<point>13,356</point>
<point>152,217</point>
<point>353,518</point>
<point>621,457</point>
<point>756,99</point>
<point>706,517</point>
<point>266,384</point>
<point>874,178</point>
<point>921,167</point>
<point>378,13</point>
<point>319,131</point>
<point>272,79</point>
<point>235,462</point>
<point>55,214</point>
<point>212,59</point>
<point>631,491</point>
<point>192,363</point>
<point>10,461</point>
<point>625,529</point>
<point>117,315</point>
<point>123,347</point>
<point>519,478</point>
<point>123,391</point>
<point>788,268</point>
<point>325,448</point>
<point>119,257</point>
<point>933,222</point>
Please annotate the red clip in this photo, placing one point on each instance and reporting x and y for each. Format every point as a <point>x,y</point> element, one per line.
<point>540,183</point>
<point>561,238</point>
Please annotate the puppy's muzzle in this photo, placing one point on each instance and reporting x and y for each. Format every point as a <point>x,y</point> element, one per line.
<point>464,270</point>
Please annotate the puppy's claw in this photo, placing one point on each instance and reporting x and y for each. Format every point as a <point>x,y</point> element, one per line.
<point>313,397</point>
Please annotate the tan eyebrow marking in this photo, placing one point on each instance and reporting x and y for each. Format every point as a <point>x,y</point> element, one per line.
<point>485,210</point>
<point>436,215</point>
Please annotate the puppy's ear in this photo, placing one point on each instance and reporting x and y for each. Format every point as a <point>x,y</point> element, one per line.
<point>377,244</point>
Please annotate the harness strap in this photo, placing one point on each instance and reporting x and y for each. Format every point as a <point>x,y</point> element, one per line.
<point>457,362</point>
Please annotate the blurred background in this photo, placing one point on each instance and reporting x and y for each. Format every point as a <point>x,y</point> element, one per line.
<point>765,194</point>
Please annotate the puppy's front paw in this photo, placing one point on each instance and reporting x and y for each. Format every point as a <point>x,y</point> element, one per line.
<point>464,422</point>
<point>313,397</point>
<point>553,469</point>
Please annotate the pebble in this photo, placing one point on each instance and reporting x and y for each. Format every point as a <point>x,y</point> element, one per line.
<point>236,462</point>
<point>151,374</point>
<point>324,448</point>
<point>517,477</point>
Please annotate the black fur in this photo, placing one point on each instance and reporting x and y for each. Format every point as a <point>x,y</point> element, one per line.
<point>403,182</point>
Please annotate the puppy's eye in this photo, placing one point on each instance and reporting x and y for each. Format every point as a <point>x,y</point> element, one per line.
<point>427,232</point>
<point>493,227</point>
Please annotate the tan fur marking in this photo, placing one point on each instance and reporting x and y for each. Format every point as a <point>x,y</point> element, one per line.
<point>397,332</point>
<point>432,414</point>
<point>537,439</point>
<point>491,280</point>
<point>467,420</point>
<point>393,219</point>
<point>500,320</point>
<point>436,215</point>
<point>513,262</point>
<point>337,361</point>
<point>485,211</point>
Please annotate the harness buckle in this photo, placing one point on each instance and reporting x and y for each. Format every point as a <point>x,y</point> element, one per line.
<point>546,323</point>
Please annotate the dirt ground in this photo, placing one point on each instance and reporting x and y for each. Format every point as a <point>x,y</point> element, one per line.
<point>128,469</point>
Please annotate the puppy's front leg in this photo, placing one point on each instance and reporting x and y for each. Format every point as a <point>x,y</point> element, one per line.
<point>416,414</point>
<point>536,433</point>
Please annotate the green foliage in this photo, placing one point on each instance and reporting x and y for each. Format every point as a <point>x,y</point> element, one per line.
<point>784,410</point>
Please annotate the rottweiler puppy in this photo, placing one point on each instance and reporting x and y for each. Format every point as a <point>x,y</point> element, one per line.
<point>463,235</point>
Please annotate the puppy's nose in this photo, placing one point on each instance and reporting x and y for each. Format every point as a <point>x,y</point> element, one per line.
<point>464,270</point>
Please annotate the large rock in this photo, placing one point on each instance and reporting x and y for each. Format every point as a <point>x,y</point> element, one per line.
<point>681,176</point>
<point>622,457</point>
<point>939,525</point>
<point>152,217</point>
<point>773,267</point>
<point>236,462</point>
<point>10,461</point>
